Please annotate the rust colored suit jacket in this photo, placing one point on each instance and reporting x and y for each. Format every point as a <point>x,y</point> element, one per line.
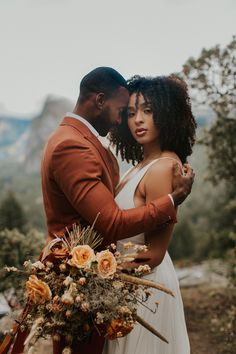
<point>78,182</point>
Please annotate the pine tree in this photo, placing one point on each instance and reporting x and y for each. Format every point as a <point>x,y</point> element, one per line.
<point>16,248</point>
<point>11,213</point>
<point>212,79</point>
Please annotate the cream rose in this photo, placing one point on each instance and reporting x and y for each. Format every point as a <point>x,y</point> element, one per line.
<point>37,290</point>
<point>106,266</point>
<point>82,256</point>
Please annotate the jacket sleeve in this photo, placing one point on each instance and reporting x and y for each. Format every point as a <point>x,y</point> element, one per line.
<point>79,175</point>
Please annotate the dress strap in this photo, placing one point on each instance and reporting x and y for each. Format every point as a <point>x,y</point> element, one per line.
<point>146,167</point>
<point>170,158</point>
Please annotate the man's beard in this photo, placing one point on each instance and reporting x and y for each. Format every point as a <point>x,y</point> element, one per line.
<point>103,122</point>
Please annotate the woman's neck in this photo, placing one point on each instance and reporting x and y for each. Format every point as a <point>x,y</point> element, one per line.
<point>151,151</point>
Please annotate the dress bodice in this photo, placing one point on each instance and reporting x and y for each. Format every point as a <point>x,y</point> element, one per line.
<point>125,200</point>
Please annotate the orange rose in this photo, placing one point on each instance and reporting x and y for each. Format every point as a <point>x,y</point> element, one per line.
<point>82,256</point>
<point>37,290</point>
<point>117,329</point>
<point>106,266</point>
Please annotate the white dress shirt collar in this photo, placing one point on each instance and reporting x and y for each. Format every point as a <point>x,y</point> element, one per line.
<point>84,121</point>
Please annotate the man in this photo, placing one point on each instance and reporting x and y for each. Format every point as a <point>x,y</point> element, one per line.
<point>79,175</point>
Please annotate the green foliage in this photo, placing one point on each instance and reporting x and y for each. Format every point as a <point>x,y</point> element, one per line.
<point>212,78</point>
<point>221,143</point>
<point>195,216</point>
<point>182,245</point>
<point>11,213</point>
<point>15,249</point>
<point>27,189</point>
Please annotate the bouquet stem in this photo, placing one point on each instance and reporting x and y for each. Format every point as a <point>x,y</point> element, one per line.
<point>150,328</point>
<point>145,282</point>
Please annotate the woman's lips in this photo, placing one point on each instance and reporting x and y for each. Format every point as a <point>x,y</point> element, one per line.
<point>140,131</point>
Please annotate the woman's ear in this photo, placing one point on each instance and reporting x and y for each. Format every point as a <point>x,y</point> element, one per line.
<point>100,100</point>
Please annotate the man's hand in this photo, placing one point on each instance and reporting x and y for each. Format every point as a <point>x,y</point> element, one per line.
<point>182,183</point>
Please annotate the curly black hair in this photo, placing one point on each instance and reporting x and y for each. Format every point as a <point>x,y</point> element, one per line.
<point>172,114</point>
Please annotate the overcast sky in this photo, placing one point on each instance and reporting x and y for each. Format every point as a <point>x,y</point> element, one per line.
<point>47,46</point>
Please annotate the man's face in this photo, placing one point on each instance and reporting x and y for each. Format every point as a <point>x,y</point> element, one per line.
<point>112,110</point>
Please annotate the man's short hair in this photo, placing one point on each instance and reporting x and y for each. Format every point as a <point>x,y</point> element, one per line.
<point>102,79</point>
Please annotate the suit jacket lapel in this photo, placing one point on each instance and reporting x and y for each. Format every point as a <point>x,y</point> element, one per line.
<point>88,135</point>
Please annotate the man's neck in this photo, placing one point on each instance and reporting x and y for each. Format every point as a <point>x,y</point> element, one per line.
<point>90,114</point>
<point>84,121</point>
<point>85,111</point>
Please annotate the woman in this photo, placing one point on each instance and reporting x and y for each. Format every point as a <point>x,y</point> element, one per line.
<point>157,131</point>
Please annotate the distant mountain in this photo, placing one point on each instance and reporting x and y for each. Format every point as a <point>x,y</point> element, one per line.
<point>12,130</point>
<point>22,140</point>
<point>42,126</point>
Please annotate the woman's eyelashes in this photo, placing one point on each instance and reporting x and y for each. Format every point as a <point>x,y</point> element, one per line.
<point>146,111</point>
<point>131,114</point>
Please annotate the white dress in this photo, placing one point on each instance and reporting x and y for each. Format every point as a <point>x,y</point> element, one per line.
<point>169,319</point>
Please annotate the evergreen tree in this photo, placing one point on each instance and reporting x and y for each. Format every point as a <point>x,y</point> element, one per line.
<point>11,213</point>
<point>16,248</point>
<point>182,245</point>
<point>212,79</point>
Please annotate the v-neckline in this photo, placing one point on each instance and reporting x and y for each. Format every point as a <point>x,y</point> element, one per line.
<point>121,185</point>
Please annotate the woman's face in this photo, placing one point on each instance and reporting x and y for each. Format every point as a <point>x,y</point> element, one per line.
<point>140,120</point>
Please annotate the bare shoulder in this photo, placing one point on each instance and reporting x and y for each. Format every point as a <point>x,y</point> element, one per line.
<point>158,179</point>
<point>163,167</point>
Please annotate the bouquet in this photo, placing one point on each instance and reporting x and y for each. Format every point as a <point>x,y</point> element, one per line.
<point>74,290</point>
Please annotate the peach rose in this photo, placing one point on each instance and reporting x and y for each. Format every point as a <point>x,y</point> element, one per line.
<point>117,329</point>
<point>106,266</point>
<point>82,256</point>
<point>37,290</point>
